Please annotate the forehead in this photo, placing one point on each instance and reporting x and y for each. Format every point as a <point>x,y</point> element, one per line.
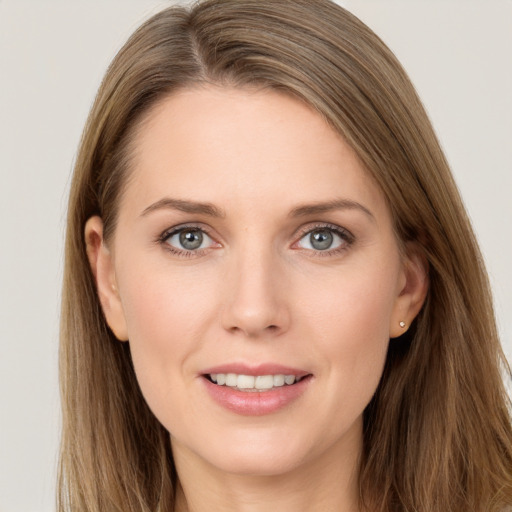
<point>243,147</point>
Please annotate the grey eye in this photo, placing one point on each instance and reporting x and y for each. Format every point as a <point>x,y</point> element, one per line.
<point>322,239</point>
<point>189,239</point>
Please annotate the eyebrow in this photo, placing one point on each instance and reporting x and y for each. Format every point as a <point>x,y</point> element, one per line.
<point>182,205</point>
<point>213,211</point>
<point>323,207</point>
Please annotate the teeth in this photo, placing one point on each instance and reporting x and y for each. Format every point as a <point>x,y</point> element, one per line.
<point>250,382</point>
<point>289,379</point>
<point>245,382</point>
<point>264,382</point>
<point>279,380</point>
<point>231,380</point>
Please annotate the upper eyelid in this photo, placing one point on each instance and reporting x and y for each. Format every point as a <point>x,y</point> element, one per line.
<point>183,227</point>
<point>163,238</point>
<point>298,234</point>
<point>304,230</point>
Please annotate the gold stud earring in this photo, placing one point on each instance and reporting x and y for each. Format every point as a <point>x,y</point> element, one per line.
<point>402,324</point>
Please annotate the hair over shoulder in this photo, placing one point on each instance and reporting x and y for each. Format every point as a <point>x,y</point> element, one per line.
<point>437,433</point>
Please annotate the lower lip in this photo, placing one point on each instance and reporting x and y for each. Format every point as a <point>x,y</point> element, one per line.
<point>256,403</point>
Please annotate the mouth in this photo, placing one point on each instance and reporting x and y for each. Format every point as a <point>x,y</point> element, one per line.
<point>255,389</point>
<point>254,383</point>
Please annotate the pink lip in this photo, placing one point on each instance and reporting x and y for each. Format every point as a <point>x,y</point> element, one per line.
<point>256,403</point>
<point>259,369</point>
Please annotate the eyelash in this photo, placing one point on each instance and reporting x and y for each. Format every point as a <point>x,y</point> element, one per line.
<point>184,253</point>
<point>346,236</point>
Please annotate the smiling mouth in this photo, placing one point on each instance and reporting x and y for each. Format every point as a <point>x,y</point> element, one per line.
<point>254,383</point>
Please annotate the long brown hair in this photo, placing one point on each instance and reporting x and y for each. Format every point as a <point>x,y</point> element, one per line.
<point>437,433</point>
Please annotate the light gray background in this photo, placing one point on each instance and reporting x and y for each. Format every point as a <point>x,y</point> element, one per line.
<point>52,57</point>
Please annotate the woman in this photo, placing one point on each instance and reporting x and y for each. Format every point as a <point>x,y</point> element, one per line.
<point>273,297</point>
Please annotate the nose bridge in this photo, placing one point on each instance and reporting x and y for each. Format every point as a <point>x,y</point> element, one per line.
<point>255,302</point>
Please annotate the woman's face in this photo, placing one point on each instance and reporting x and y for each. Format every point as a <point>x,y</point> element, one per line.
<point>253,248</point>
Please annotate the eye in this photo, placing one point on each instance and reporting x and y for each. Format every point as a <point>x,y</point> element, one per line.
<point>325,238</point>
<point>187,239</point>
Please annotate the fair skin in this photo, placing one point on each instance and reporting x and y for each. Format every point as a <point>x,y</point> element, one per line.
<point>292,266</point>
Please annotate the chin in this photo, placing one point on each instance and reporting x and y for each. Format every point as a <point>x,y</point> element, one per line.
<point>260,452</point>
<point>258,462</point>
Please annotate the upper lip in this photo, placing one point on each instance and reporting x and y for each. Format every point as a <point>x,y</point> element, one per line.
<point>255,369</point>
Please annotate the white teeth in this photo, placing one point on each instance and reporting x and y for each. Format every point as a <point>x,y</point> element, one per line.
<point>264,382</point>
<point>231,380</point>
<point>250,382</point>
<point>289,379</point>
<point>245,382</point>
<point>278,380</point>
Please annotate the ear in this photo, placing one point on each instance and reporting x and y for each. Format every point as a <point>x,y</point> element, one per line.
<point>102,266</point>
<point>412,291</point>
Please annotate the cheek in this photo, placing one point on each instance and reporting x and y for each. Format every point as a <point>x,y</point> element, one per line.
<point>353,302</point>
<point>350,321</point>
<point>168,318</point>
<point>163,302</point>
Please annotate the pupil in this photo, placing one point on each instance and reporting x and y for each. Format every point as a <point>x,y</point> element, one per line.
<point>321,239</point>
<point>191,239</point>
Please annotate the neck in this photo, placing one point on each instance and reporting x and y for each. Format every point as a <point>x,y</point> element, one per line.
<point>327,483</point>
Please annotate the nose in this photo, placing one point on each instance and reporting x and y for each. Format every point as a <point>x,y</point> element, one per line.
<point>256,302</point>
